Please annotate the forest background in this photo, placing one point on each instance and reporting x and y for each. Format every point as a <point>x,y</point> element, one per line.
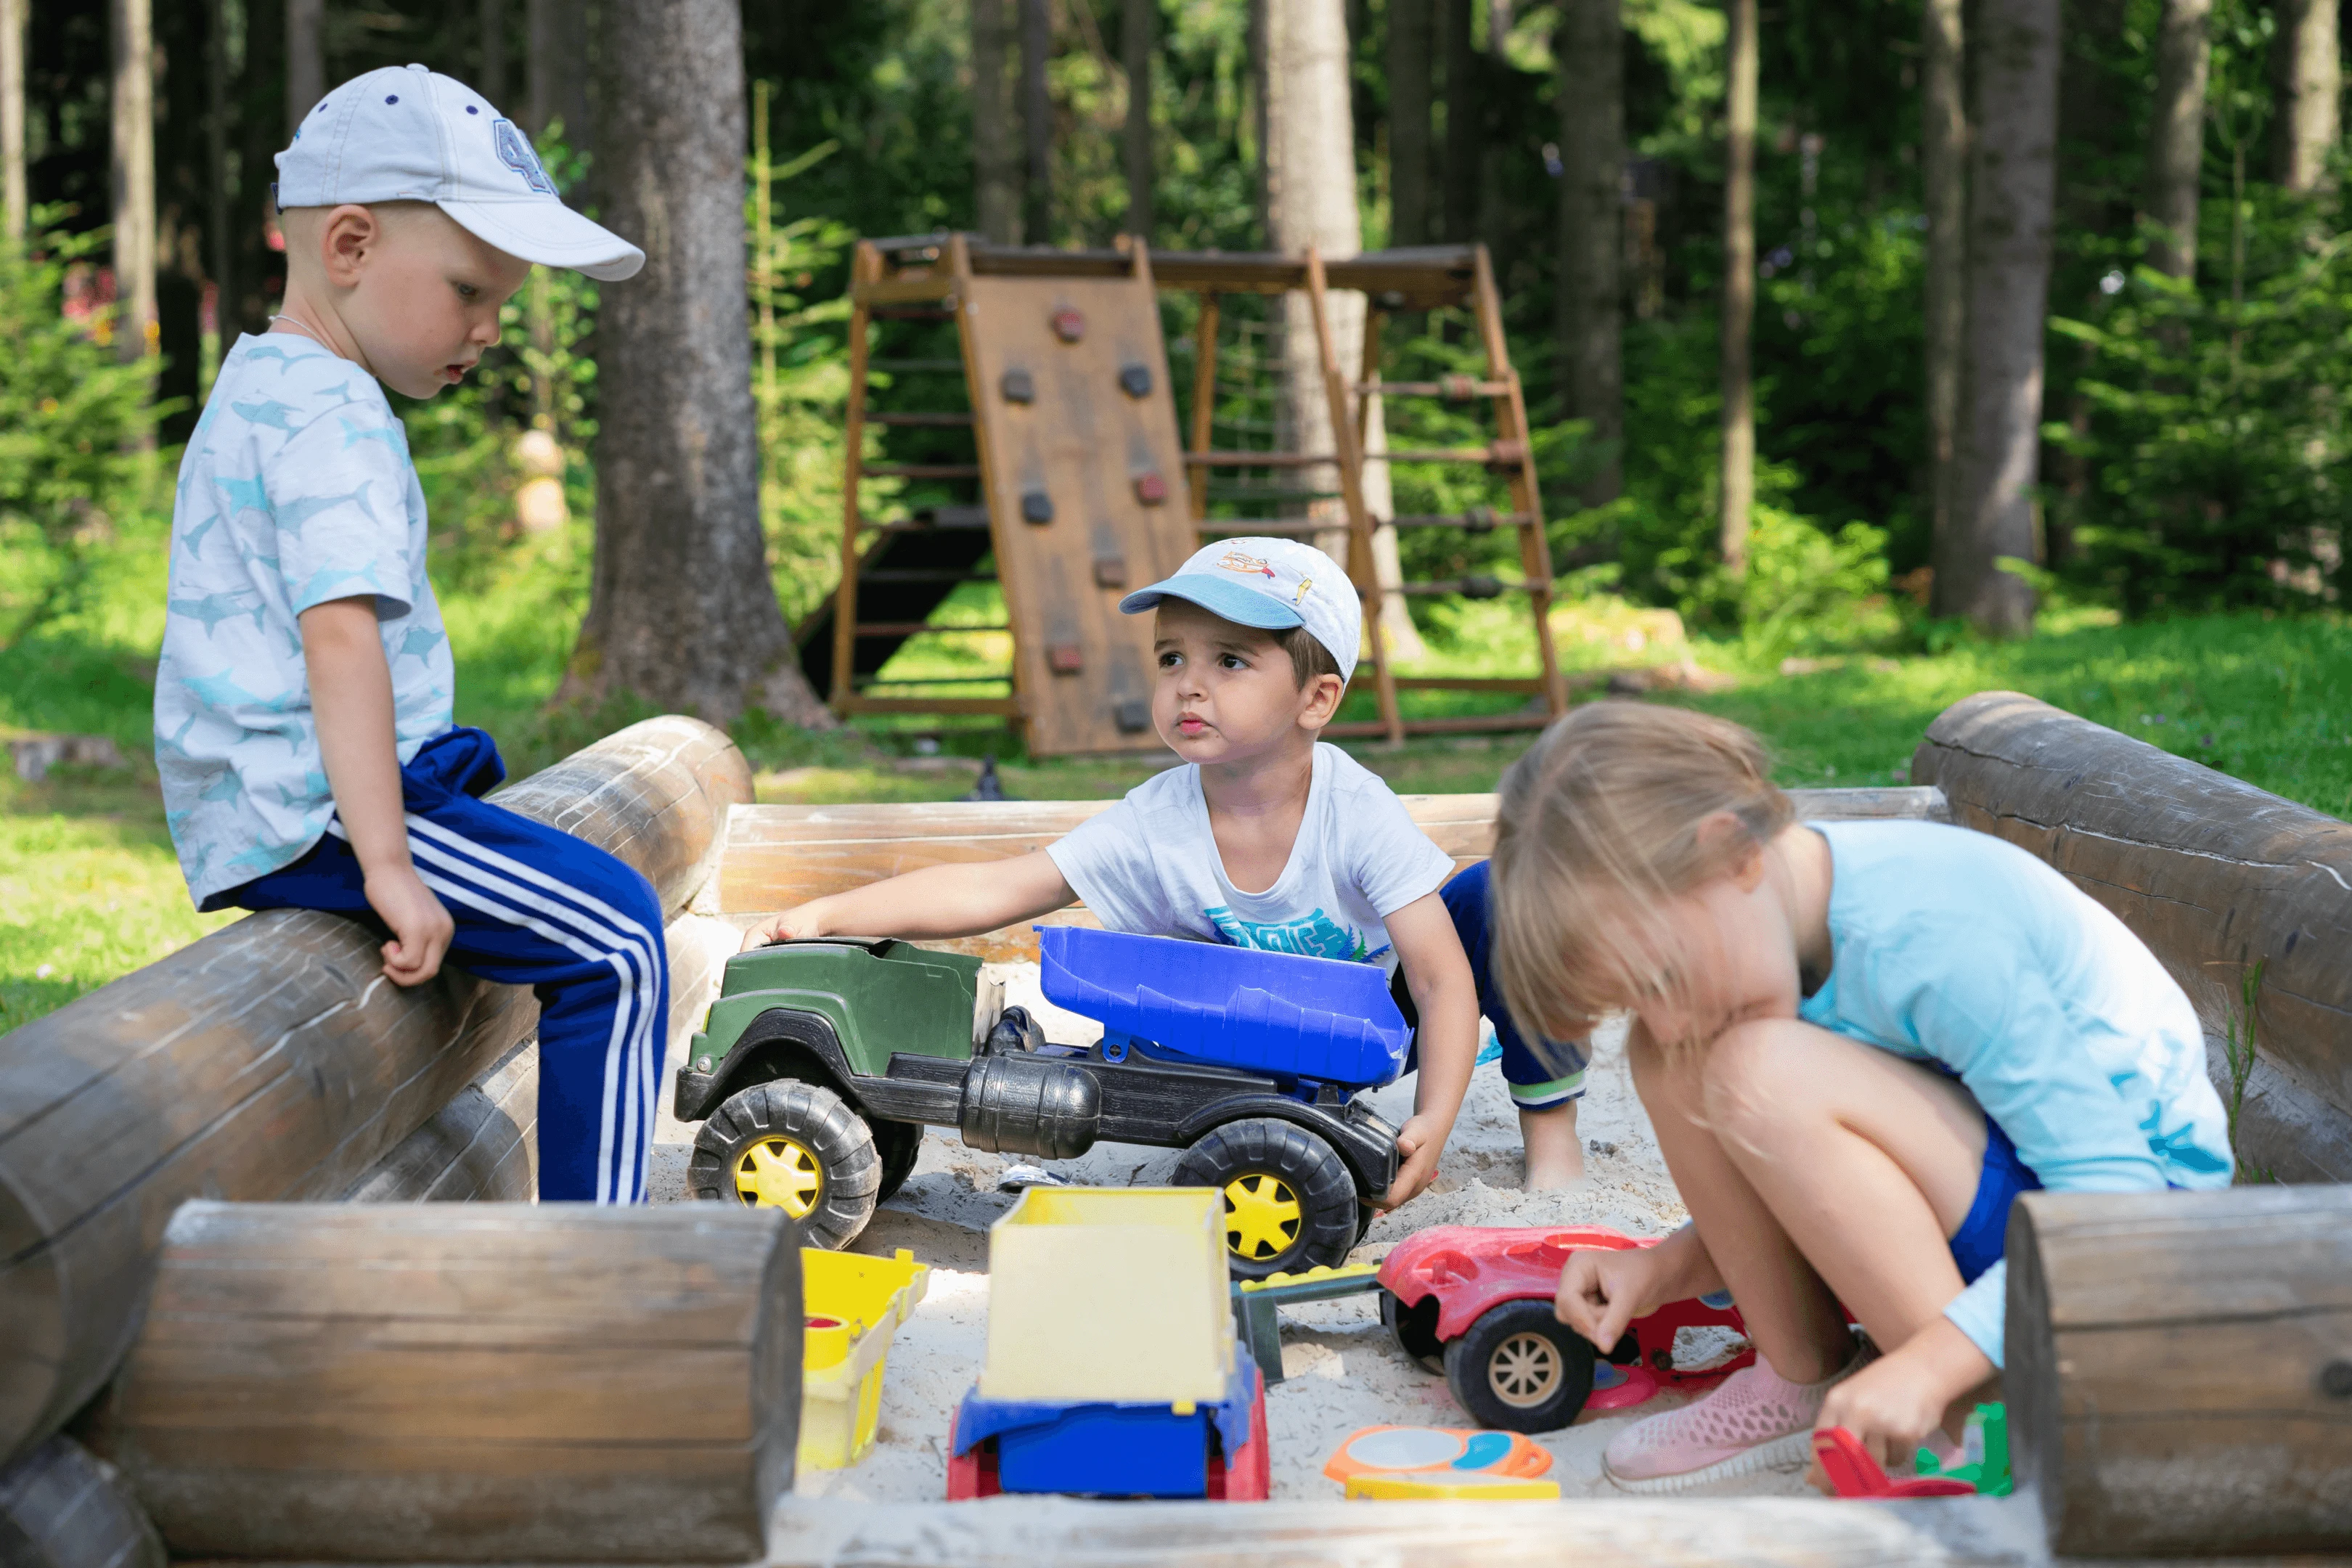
<point>2178,531</point>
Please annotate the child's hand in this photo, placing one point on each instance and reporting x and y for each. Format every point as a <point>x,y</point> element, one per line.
<point>421,926</point>
<point>1601,1290</point>
<point>793,925</point>
<point>1893,1403</point>
<point>1421,1141</point>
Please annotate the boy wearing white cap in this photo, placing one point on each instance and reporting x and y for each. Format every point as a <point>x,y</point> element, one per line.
<point>303,724</point>
<point>1256,640</point>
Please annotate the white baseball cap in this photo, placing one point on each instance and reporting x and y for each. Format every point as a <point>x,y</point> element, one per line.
<point>415,135</point>
<point>1273,585</point>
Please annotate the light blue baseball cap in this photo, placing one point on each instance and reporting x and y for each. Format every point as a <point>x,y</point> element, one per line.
<point>1272,584</point>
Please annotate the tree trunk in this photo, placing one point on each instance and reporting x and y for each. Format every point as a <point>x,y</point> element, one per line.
<point>2176,143</point>
<point>995,122</point>
<point>1036,124</point>
<point>1408,40</point>
<point>1943,160</point>
<point>183,39</point>
<point>2311,79</point>
<point>1466,130</point>
<point>306,58</point>
<point>2012,188</point>
<point>1738,484</point>
<point>2094,210</point>
<point>132,29</point>
<point>258,91</point>
<point>1136,23</point>
<point>1590,47</point>
<point>492,81</point>
<point>1310,162</point>
<point>221,255</point>
<point>682,612</point>
<point>557,73</point>
<point>14,202</point>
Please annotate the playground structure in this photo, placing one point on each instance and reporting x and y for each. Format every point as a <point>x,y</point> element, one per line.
<point>2179,1381</point>
<point>1083,493</point>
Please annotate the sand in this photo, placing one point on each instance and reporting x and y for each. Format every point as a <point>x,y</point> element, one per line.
<point>1341,1370</point>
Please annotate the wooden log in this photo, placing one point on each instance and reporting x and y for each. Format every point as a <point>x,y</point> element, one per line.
<point>62,1508</point>
<point>2179,1375</point>
<point>2214,875</point>
<point>465,1383</point>
<point>1629,1533</point>
<point>271,1060</point>
<point>779,856</point>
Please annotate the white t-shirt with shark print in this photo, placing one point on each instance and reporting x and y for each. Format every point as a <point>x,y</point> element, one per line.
<point>297,488</point>
<point>1150,864</point>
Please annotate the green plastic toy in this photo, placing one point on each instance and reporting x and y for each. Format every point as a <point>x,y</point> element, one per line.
<point>1984,1453</point>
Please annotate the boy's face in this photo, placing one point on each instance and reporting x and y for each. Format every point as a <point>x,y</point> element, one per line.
<point>419,294</point>
<point>1228,693</point>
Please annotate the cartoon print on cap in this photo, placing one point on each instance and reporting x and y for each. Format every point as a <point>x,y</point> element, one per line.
<point>1248,565</point>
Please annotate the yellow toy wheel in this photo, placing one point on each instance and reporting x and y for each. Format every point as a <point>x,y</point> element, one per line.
<point>1262,1216</point>
<point>778,1173</point>
<point>1289,1202</point>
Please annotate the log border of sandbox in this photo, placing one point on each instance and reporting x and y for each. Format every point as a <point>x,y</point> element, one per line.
<point>270,1061</point>
<point>2215,875</point>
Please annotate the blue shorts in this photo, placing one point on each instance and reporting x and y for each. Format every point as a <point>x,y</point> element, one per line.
<point>1977,1245</point>
<point>1541,1079</point>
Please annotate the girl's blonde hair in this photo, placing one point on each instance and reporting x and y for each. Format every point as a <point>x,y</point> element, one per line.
<point>1599,826</point>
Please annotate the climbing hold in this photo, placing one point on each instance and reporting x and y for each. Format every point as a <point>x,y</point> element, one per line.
<point>1069,325</point>
<point>1036,506</point>
<point>1150,488</point>
<point>1133,716</point>
<point>1018,388</point>
<point>1064,658</point>
<point>1135,380</point>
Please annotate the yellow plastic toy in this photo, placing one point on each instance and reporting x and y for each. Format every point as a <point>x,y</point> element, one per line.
<point>1458,1488</point>
<point>854,1304</point>
<point>1111,1294</point>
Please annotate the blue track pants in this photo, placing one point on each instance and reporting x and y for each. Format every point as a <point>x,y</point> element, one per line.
<point>535,907</point>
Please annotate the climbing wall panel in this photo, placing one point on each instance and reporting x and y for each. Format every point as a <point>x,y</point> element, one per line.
<point>1082,468</point>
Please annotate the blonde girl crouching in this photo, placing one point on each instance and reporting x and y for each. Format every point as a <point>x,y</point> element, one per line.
<point>1857,1042</point>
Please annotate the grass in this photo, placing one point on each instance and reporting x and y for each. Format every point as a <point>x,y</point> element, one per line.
<point>89,888</point>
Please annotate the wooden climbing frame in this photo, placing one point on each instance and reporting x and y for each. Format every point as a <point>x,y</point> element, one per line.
<point>1071,479</point>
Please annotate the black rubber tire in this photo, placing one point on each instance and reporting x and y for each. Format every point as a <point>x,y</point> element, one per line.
<point>1292,1158</point>
<point>1414,1328</point>
<point>1520,1369</point>
<point>899,1144</point>
<point>836,1140</point>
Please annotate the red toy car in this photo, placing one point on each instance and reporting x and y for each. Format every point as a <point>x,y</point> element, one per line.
<point>1475,1303</point>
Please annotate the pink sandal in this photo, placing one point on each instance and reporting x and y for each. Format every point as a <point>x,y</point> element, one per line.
<point>1755,1420</point>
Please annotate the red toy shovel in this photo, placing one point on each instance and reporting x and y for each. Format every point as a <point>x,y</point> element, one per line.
<point>1854,1473</point>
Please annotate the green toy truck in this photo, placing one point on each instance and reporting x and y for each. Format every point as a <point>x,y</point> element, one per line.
<point>822,1061</point>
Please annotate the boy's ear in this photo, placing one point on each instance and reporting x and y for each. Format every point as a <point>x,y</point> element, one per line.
<point>348,237</point>
<point>1322,700</point>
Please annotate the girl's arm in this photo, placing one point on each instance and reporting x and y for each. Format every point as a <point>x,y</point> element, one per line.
<point>936,901</point>
<point>1437,973</point>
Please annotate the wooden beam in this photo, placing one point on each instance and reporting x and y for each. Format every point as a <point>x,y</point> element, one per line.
<point>272,1060</point>
<point>2180,1369</point>
<point>2214,875</point>
<point>465,1383</point>
<point>779,856</point>
<point>1631,1532</point>
<point>61,1507</point>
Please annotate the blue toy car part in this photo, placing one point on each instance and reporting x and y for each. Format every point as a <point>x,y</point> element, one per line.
<point>1281,1013</point>
<point>1108,1449</point>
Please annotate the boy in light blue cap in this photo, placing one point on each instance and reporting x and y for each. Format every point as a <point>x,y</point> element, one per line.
<point>303,706</point>
<point>1256,640</point>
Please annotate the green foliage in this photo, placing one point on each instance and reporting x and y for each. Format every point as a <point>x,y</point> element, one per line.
<point>2238,1050</point>
<point>2218,444</point>
<point>74,420</point>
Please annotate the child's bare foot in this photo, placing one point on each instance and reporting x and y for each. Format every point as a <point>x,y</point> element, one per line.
<point>1555,1153</point>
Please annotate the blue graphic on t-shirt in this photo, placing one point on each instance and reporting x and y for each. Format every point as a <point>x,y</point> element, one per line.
<point>1316,936</point>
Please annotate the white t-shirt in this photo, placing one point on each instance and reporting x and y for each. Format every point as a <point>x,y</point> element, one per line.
<point>1150,864</point>
<point>297,488</point>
